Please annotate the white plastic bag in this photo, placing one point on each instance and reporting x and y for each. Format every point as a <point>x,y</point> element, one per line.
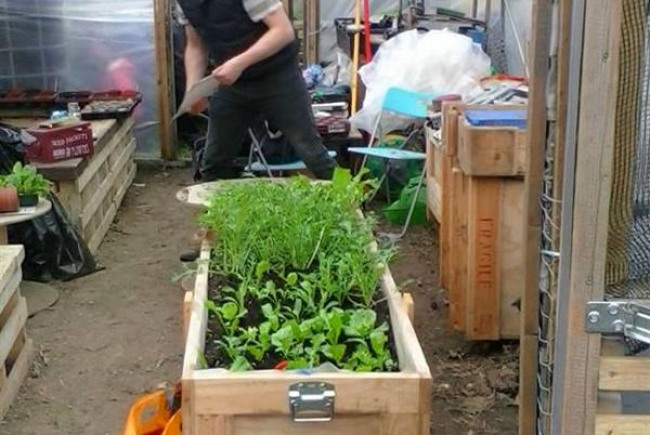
<point>436,62</point>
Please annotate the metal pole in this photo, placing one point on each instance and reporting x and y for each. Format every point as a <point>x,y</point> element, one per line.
<point>561,372</point>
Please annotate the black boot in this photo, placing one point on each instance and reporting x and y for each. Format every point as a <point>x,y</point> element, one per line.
<point>190,256</point>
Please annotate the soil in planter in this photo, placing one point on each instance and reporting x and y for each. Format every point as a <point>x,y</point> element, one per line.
<point>216,358</point>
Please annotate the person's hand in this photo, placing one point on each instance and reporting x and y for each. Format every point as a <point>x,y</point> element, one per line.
<point>229,72</point>
<point>199,107</point>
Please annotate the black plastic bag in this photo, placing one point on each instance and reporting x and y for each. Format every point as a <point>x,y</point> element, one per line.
<point>53,247</point>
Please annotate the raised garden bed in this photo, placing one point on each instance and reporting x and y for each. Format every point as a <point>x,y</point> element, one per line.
<point>387,393</point>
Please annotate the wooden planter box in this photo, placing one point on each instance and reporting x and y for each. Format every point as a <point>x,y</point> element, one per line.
<point>218,402</point>
<point>15,348</point>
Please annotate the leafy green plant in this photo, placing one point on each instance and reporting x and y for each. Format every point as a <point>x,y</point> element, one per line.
<point>26,180</point>
<point>296,255</point>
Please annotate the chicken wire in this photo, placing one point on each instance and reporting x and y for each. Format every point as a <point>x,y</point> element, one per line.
<point>628,248</point>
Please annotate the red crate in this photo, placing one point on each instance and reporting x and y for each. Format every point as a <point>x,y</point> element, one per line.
<point>56,143</point>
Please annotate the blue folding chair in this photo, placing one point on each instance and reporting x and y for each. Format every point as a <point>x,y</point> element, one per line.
<point>412,105</point>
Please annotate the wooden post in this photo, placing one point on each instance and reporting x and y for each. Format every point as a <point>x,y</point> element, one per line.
<point>288,7</point>
<point>311,30</point>
<point>165,78</point>
<point>596,135</point>
<point>539,51</point>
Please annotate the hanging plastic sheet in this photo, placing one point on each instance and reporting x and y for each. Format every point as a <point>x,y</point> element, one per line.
<point>70,45</point>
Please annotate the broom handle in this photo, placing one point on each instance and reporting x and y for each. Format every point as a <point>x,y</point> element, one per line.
<point>366,28</point>
<point>355,57</point>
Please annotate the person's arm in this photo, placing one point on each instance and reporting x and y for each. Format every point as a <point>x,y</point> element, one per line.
<point>280,33</point>
<point>196,59</point>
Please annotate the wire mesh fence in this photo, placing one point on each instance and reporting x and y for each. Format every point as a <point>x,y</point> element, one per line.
<point>628,247</point>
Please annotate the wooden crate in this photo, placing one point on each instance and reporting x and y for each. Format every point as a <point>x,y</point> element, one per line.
<point>481,243</point>
<point>217,402</point>
<point>16,349</point>
<point>491,151</point>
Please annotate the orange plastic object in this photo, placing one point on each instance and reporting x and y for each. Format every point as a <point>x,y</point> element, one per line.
<point>148,415</point>
<point>174,426</point>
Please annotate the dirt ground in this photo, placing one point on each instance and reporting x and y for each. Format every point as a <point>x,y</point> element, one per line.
<point>116,334</point>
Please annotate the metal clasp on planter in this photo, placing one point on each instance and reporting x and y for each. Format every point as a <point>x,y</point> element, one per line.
<point>630,318</point>
<point>311,402</point>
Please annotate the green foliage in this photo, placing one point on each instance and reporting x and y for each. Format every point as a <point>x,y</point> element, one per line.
<point>300,253</point>
<point>26,180</point>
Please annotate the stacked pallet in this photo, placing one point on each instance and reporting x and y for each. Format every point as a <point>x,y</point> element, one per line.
<point>15,348</point>
<point>477,194</point>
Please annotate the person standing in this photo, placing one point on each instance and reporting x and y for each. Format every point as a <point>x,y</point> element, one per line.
<point>252,42</point>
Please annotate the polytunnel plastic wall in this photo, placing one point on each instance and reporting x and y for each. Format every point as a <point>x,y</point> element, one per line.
<point>95,45</point>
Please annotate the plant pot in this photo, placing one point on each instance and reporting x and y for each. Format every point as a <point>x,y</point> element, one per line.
<point>28,200</point>
<point>8,200</point>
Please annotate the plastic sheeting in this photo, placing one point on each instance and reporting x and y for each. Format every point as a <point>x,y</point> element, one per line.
<point>433,62</point>
<point>95,45</point>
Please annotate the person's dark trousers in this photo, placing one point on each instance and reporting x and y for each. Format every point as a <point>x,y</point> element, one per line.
<point>282,99</point>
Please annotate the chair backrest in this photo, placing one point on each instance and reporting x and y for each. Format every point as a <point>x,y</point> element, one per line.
<point>407,103</point>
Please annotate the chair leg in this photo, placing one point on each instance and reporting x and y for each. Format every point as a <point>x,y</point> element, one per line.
<point>255,144</point>
<point>373,136</point>
<point>413,203</point>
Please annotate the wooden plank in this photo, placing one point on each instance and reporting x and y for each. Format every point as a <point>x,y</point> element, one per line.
<point>311,30</point>
<point>11,257</point>
<point>622,424</point>
<point>445,224</point>
<point>510,257</point>
<point>266,393</point>
<point>187,311</point>
<point>98,235</point>
<point>16,377</point>
<point>9,296</point>
<point>591,210</point>
<point>370,424</point>
<point>539,51</point>
<point>12,329</point>
<point>620,373</point>
<point>409,306</point>
<point>118,138</point>
<point>483,294</point>
<point>458,253</point>
<point>165,79</point>
<point>100,195</point>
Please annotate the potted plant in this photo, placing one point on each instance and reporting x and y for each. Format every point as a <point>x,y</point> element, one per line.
<point>8,199</point>
<point>28,182</point>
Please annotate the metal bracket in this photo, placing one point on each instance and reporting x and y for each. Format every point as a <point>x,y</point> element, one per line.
<point>311,402</point>
<point>632,319</point>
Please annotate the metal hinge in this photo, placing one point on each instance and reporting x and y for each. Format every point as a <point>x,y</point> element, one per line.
<point>311,402</point>
<point>632,319</point>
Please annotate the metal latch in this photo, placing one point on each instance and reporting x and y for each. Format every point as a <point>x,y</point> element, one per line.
<point>311,402</point>
<point>629,318</point>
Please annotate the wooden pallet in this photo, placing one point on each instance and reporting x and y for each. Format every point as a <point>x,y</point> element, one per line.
<point>93,198</point>
<point>619,375</point>
<point>16,349</point>
<point>218,402</point>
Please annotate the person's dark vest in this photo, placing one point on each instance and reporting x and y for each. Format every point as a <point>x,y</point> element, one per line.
<point>226,30</point>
